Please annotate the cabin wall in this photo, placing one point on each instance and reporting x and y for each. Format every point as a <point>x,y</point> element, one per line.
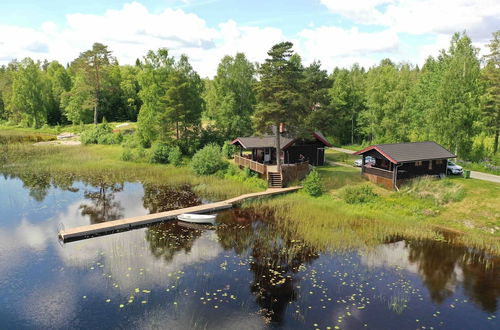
<point>314,153</point>
<point>412,170</point>
<point>385,182</point>
<point>293,173</point>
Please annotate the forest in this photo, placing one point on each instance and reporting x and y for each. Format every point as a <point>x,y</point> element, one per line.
<point>453,99</point>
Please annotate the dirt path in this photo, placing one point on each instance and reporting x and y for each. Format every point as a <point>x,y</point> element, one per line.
<point>346,151</point>
<point>485,176</point>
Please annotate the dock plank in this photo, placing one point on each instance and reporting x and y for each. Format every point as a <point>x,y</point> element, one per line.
<point>143,220</point>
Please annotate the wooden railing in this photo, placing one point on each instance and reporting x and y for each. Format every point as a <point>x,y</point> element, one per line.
<point>253,165</point>
<point>378,171</point>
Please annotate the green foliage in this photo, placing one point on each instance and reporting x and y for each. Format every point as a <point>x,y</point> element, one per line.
<point>230,97</point>
<point>208,160</point>
<point>28,94</point>
<point>127,155</point>
<point>100,134</point>
<point>279,98</point>
<point>358,194</point>
<point>160,153</point>
<point>313,184</point>
<point>175,156</point>
<point>171,95</point>
<point>228,150</point>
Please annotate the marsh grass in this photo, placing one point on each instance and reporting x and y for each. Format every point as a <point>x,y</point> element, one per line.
<point>102,162</point>
<point>8,136</point>
<point>328,222</point>
<point>441,192</point>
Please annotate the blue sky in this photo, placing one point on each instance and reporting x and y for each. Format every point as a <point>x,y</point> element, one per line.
<point>336,32</point>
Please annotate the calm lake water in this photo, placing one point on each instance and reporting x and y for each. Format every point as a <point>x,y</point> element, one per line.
<point>244,273</point>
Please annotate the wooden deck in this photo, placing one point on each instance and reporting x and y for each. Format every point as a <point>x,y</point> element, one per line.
<point>110,227</point>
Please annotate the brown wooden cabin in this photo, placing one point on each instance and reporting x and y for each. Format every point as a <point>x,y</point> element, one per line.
<point>399,162</point>
<point>262,157</point>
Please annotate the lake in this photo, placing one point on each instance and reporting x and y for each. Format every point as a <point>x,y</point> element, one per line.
<point>247,272</point>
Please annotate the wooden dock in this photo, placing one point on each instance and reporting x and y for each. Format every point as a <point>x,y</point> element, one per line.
<point>109,227</point>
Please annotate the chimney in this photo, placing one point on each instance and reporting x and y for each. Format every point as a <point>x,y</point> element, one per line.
<point>282,127</point>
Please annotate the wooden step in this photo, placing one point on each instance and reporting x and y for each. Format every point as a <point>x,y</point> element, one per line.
<point>275,180</point>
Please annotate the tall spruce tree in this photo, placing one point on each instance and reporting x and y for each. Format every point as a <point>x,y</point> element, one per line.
<point>279,95</point>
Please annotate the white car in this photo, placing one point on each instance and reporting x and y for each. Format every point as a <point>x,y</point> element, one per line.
<point>368,160</point>
<point>453,168</point>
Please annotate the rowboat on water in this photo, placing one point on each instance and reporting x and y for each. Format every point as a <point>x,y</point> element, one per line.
<point>197,218</point>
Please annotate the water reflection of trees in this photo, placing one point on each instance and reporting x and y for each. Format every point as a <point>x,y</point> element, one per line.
<point>102,206</point>
<point>439,264</point>
<point>167,239</point>
<point>161,198</point>
<point>276,258</point>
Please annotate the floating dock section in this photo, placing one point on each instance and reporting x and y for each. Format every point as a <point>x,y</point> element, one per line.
<point>109,227</point>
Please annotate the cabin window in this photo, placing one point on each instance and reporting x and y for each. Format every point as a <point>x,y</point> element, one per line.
<point>439,162</point>
<point>419,163</point>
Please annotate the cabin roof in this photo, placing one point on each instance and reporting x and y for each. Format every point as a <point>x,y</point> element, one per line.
<point>269,141</point>
<point>410,152</point>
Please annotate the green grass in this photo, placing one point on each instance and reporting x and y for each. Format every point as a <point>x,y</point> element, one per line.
<point>419,211</point>
<point>340,157</point>
<point>354,147</point>
<point>100,162</point>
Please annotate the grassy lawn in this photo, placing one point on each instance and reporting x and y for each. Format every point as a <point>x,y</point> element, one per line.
<point>340,157</point>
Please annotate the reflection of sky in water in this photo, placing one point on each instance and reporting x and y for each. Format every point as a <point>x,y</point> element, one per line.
<point>195,281</point>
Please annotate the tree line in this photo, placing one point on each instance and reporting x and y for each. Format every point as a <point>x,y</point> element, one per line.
<point>453,99</point>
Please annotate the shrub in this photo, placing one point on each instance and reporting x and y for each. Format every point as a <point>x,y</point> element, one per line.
<point>159,153</point>
<point>228,150</point>
<point>358,194</point>
<point>313,184</point>
<point>175,156</point>
<point>109,138</point>
<point>127,155</point>
<point>102,134</point>
<point>131,141</point>
<point>208,160</point>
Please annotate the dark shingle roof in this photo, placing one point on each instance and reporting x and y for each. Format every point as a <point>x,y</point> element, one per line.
<point>262,141</point>
<point>412,151</point>
<point>269,141</point>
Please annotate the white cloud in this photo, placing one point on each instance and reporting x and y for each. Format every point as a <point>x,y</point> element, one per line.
<point>133,30</point>
<point>339,47</point>
<point>479,17</point>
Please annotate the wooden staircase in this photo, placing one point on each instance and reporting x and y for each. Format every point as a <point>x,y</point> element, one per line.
<point>275,180</point>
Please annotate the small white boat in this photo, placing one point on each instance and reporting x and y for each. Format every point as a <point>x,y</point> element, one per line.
<point>197,218</point>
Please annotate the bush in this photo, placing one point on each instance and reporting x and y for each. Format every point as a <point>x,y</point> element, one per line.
<point>110,138</point>
<point>127,155</point>
<point>175,156</point>
<point>100,134</point>
<point>228,150</point>
<point>358,194</point>
<point>208,160</point>
<point>313,184</point>
<point>160,153</point>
